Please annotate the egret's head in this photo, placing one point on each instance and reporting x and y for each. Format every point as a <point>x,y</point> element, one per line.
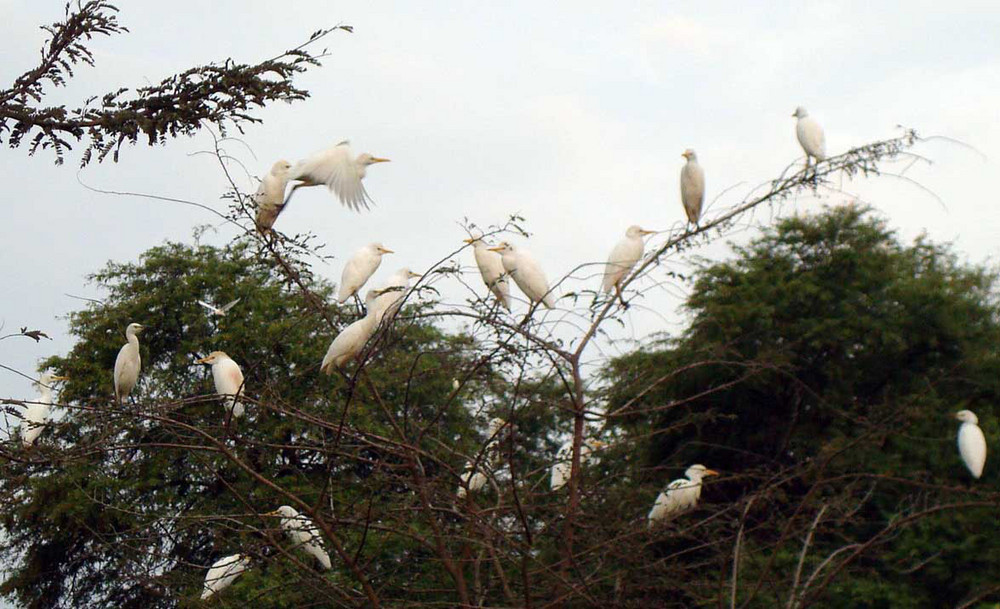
<point>474,237</point>
<point>48,377</point>
<point>698,471</point>
<point>285,511</point>
<point>689,155</point>
<point>412,275</point>
<point>371,295</point>
<point>636,231</point>
<point>213,357</point>
<point>380,249</point>
<point>365,159</point>
<point>134,328</point>
<point>800,112</point>
<point>495,425</point>
<point>280,168</point>
<point>596,444</point>
<point>967,416</point>
<point>503,247</point>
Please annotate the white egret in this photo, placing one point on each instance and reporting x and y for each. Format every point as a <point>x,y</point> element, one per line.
<point>360,268</point>
<point>810,135</point>
<point>303,533</point>
<point>352,339</point>
<point>490,265</point>
<point>270,195</point>
<point>36,415</point>
<point>223,573</point>
<point>971,442</point>
<point>214,311</point>
<point>563,467</point>
<point>692,186</point>
<point>228,380</point>
<point>339,170</point>
<point>392,293</point>
<point>680,495</point>
<point>624,257</point>
<point>127,363</point>
<point>473,481</point>
<point>526,273</point>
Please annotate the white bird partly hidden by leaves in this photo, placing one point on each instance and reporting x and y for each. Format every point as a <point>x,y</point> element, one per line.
<point>473,480</point>
<point>490,265</point>
<point>127,363</point>
<point>223,573</point>
<point>527,274</point>
<point>339,170</point>
<point>270,196</point>
<point>36,415</point>
<point>352,339</point>
<point>624,257</point>
<point>391,294</point>
<point>219,311</point>
<point>228,380</point>
<point>971,442</point>
<point>303,533</point>
<point>692,186</point>
<point>563,467</point>
<point>810,135</point>
<point>680,495</point>
<point>359,269</point>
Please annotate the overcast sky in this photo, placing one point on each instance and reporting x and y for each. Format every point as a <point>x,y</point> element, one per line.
<point>573,114</point>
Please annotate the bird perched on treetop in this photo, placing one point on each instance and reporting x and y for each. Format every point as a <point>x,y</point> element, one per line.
<point>680,495</point>
<point>490,265</point>
<point>128,363</point>
<point>692,186</point>
<point>270,196</point>
<point>971,442</point>
<point>359,269</point>
<point>36,415</point>
<point>527,274</point>
<point>228,380</point>
<point>624,257</point>
<point>810,135</point>
<point>303,533</point>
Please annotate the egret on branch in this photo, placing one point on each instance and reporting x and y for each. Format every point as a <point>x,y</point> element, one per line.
<point>228,380</point>
<point>692,186</point>
<point>270,195</point>
<point>352,339</point>
<point>680,495</point>
<point>223,573</point>
<point>473,480</point>
<point>127,364</point>
<point>37,414</point>
<point>971,442</point>
<point>624,257</point>
<point>339,170</point>
<point>526,274</point>
<point>392,293</point>
<point>810,135</point>
<point>561,470</point>
<point>303,533</point>
<point>490,265</point>
<point>359,269</point>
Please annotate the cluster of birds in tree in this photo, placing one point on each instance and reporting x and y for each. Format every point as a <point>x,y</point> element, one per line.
<point>342,172</point>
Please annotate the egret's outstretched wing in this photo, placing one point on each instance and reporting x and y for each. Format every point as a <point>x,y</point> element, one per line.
<point>335,168</point>
<point>229,305</point>
<point>207,306</point>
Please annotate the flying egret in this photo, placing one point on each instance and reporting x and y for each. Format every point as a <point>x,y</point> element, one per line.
<point>303,533</point>
<point>270,195</point>
<point>339,170</point>
<point>352,339</point>
<point>526,274</point>
<point>490,265</point>
<point>680,495</point>
<point>624,257</point>
<point>127,363</point>
<point>692,186</point>
<point>810,135</point>
<point>360,268</point>
<point>37,414</point>
<point>228,379</point>
<point>392,293</point>
<point>223,573</point>
<point>473,480</point>
<point>214,311</point>
<point>563,467</point>
<point>971,442</point>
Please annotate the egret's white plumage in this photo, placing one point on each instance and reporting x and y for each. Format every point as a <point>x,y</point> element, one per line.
<point>228,380</point>
<point>36,415</point>
<point>223,573</point>
<point>127,363</point>
<point>339,170</point>
<point>692,186</point>
<point>270,196</point>
<point>680,495</point>
<point>624,257</point>
<point>527,274</point>
<point>810,135</point>
<point>490,265</point>
<point>971,442</point>
<point>303,533</point>
<point>360,268</point>
<point>563,467</point>
<point>473,480</point>
<point>219,311</point>
<point>391,294</point>
<point>352,339</point>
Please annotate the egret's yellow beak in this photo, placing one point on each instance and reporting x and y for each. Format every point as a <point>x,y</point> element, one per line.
<point>60,378</point>
<point>496,249</point>
<point>711,472</point>
<point>376,159</point>
<point>469,240</point>
<point>793,114</point>
<point>204,360</point>
<point>274,513</point>
<point>386,250</point>
<point>646,232</point>
<point>415,275</point>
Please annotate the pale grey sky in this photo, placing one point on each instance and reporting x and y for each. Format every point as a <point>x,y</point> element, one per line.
<point>572,113</point>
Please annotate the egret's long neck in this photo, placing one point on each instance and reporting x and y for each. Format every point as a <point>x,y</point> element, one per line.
<point>132,338</point>
<point>44,394</point>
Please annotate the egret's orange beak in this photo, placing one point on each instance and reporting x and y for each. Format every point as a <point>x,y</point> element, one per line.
<point>385,250</point>
<point>496,249</point>
<point>646,232</point>
<point>60,378</point>
<point>203,360</point>
<point>376,159</point>
<point>710,472</point>
<point>415,275</point>
<point>469,240</point>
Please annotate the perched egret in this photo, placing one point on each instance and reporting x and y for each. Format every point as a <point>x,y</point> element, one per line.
<point>223,573</point>
<point>392,293</point>
<point>526,273</point>
<point>561,470</point>
<point>228,379</point>
<point>214,311</point>
<point>624,257</point>
<point>680,495</point>
<point>692,186</point>
<point>360,268</point>
<point>473,480</point>
<point>270,195</point>
<point>352,339</point>
<point>303,533</point>
<point>127,363</point>
<point>339,170</point>
<point>810,135</point>
<point>490,265</point>
<point>971,442</point>
<point>37,414</point>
